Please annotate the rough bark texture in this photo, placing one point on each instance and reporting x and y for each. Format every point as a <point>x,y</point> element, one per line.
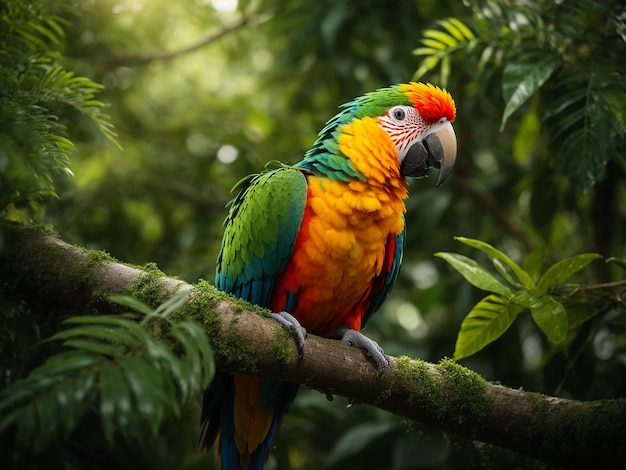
<point>447,397</point>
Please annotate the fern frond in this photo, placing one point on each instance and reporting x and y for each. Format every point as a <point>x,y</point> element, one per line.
<point>37,96</point>
<point>136,373</point>
<point>439,38</point>
<point>439,45</point>
<point>457,28</point>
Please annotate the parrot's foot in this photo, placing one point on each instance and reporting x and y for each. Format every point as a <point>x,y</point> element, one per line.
<point>294,327</point>
<point>369,347</point>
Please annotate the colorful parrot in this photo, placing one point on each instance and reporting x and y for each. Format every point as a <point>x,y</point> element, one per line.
<point>320,243</point>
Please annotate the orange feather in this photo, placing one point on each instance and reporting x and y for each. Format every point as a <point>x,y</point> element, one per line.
<point>341,245</point>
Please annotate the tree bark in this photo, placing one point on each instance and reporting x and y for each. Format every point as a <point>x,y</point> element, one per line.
<point>440,397</point>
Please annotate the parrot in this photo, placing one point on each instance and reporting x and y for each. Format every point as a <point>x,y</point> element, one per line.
<point>320,243</point>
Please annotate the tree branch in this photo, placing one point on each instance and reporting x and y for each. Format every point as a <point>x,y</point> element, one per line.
<point>145,57</point>
<point>443,397</point>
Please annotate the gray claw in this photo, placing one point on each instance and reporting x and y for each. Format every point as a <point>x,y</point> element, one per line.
<point>294,327</point>
<point>370,347</point>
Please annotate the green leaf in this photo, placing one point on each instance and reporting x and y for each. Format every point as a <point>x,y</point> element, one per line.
<point>115,401</point>
<point>149,394</point>
<point>426,65</point>
<point>578,313</point>
<point>485,323</point>
<point>461,27</point>
<point>96,347</point>
<point>441,37</point>
<point>130,330</point>
<point>74,397</point>
<point>522,275</point>
<point>521,81</point>
<point>452,29</point>
<point>445,71</point>
<point>529,132</point>
<point>564,269</point>
<point>193,338</point>
<point>485,56</point>
<point>475,274</point>
<point>93,331</point>
<point>588,139</point>
<point>131,303</point>
<point>551,318</point>
<point>526,298</point>
<point>424,51</point>
<point>614,100</point>
<point>60,365</point>
<point>62,387</point>
<point>533,262</point>
<point>433,44</point>
<point>118,321</point>
<point>173,303</point>
<point>501,268</point>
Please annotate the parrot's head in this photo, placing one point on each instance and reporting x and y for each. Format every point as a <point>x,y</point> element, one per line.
<point>418,118</point>
<point>403,130</point>
<point>422,131</point>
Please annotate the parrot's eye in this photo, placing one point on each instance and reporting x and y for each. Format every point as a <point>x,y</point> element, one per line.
<point>398,113</point>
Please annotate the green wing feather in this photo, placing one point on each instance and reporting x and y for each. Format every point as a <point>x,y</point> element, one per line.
<point>260,233</point>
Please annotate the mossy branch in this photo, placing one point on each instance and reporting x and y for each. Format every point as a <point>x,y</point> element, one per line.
<point>444,397</point>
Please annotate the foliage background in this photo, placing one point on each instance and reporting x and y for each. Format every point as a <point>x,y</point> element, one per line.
<point>542,171</point>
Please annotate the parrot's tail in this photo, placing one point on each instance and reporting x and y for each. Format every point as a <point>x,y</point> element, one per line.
<point>246,412</point>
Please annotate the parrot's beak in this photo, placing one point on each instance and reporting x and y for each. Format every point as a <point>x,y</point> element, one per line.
<point>436,150</point>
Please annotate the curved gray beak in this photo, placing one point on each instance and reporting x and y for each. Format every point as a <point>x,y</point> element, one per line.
<point>436,150</point>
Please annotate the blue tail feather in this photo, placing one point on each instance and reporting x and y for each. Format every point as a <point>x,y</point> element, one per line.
<point>218,418</point>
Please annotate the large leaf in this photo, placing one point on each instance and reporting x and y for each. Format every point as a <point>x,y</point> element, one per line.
<point>475,274</point>
<point>551,318</point>
<point>564,269</point>
<point>521,81</point>
<point>586,149</point>
<point>584,126</point>
<point>522,275</point>
<point>485,323</point>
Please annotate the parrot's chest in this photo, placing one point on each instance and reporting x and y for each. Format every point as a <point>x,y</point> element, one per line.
<point>340,249</point>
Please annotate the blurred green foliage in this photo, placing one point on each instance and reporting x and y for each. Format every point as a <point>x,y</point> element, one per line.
<point>35,89</point>
<point>540,91</point>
